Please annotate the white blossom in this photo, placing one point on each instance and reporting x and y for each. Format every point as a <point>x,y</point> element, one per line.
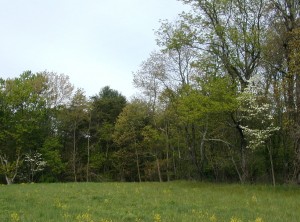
<point>251,109</point>
<point>35,163</point>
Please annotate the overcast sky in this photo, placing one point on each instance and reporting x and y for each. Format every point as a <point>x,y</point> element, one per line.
<point>95,42</point>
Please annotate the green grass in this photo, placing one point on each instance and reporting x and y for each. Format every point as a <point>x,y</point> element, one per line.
<point>174,201</point>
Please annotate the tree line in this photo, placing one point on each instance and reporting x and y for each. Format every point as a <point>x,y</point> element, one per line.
<point>219,101</point>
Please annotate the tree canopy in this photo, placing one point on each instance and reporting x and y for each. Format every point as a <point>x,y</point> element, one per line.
<point>219,100</point>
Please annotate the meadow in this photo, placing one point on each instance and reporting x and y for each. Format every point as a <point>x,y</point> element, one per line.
<point>156,202</point>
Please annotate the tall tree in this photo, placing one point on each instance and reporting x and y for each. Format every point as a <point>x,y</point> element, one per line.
<point>105,108</point>
<point>128,136</point>
<point>229,31</point>
<point>284,25</point>
<point>73,120</point>
<point>23,120</point>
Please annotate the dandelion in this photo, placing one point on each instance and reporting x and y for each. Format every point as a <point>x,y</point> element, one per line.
<point>254,199</point>
<point>259,219</point>
<point>213,218</point>
<point>235,219</point>
<point>60,205</point>
<point>84,218</point>
<point>14,217</point>
<point>157,218</point>
<point>105,220</point>
<point>66,215</point>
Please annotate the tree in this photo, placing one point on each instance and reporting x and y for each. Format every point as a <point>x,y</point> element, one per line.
<point>151,78</point>
<point>257,116</point>
<point>105,108</point>
<point>73,119</point>
<point>153,143</point>
<point>284,24</point>
<point>230,30</point>
<point>52,155</point>
<point>59,89</point>
<point>201,110</point>
<point>294,58</point>
<point>34,163</point>
<point>128,134</point>
<point>23,120</point>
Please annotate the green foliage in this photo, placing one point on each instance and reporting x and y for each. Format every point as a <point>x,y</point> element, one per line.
<point>51,153</point>
<point>200,115</point>
<point>23,116</point>
<point>107,105</point>
<point>134,117</point>
<point>213,96</point>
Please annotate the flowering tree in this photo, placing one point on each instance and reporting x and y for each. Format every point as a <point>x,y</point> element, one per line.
<point>34,163</point>
<point>256,117</point>
<point>252,109</point>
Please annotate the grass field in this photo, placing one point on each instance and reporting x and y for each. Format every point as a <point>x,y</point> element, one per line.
<point>174,201</point>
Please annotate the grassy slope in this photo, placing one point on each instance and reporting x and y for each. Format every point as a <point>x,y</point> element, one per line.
<point>175,201</point>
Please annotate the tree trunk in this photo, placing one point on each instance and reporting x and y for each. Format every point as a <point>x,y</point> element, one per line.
<point>174,163</point>
<point>168,148</point>
<point>88,160</point>
<point>243,145</point>
<point>272,166</point>
<point>74,154</point>
<point>191,143</point>
<point>9,181</point>
<point>237,170</point>
<point>244,163</point>
<point>289,12</point>
<point>9,175</point>
<point>137,161</point>
<point>158,169</point>
<point>202,151</point>
<point>297,151</point>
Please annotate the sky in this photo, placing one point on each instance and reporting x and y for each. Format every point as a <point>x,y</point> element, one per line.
<point>95,42</point>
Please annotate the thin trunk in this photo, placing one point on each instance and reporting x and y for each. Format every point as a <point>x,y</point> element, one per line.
<point>191,143</point>
<point>74,154</point>
<point>158,169</point>
<point>290,99</point>
<point>243,145</point>
<point>168,175</point>
<point>88,149</point>
<point>32,171</point>
<point>174,163</point>
<point>137,161</point>
<point>244,162</point>
<point>229,146</point>
<point>237,170</point>
<point>107,148</point>
<point>88,160</point>
<point>272,166</point>
<point>168,148</point>
<point>202,151</point>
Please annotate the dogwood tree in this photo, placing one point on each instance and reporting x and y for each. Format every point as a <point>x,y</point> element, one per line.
<point>252,109</point>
